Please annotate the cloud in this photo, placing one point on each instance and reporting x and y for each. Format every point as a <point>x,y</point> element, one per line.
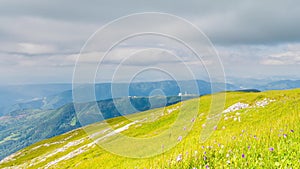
<point>39,38</point>
<point>138,56</point>
<point>225,23</point>
<point>35,30</point>
<point>285,58</point>
<point>31,48</point>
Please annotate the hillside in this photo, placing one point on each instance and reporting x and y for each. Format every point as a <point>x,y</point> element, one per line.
<point>22,128</point>
<point>256,130</point>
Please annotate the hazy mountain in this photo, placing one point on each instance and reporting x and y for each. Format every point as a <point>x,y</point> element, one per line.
<point>271,83</point>
<point>14,97</point>
<point>280,85</point>
<point>46,100</point>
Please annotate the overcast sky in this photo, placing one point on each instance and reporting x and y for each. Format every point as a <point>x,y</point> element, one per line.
<point>40,40</point>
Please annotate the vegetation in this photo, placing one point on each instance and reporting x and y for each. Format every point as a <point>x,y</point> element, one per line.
<point>22,128</point>
<point>262,134</point>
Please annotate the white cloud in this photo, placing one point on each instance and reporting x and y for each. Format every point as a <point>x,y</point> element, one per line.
<point>284,58</point>
<point>31,48</point>
<point>38,38</point>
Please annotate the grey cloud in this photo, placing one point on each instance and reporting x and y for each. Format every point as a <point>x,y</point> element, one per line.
<point>228,22</point>
<point>24,29</point>
<point>265,22</point>
<point>285,58</point>
<point>246,33</point>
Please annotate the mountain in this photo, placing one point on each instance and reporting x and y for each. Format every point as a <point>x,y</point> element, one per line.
<point>47,100</point>
<point>263,84</point>
<point>15,97</point>
<point>53,96</point>
<point>252,132</point>
<point>11,94</point>
<point>281,85</point>
<point>21,128</point>
<point>44,103</point>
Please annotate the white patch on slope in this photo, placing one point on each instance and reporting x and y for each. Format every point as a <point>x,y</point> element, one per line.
<point>239,105</point>
<point>10,158</point>
<point>236,106</point>
<point>84,148</point>
<point>264,102</point>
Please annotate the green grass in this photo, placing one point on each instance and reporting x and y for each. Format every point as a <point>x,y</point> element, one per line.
<point>265,137</point>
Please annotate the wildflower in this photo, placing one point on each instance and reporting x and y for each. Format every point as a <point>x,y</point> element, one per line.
<point>228,161</point>
<point>243,131</point>
<point>207,166</point>
<point>249,147</point>
<point>196,152</point>
<point>243,155</point>
<point>223,127</point>
<point>179,138</point>
<point>204,158</point>
<point>285,135</point>
<point>271,149</point>
<point>179,158</point>
<point>227,155</point>
<point>184,128</point>
<point>215,128</point>
<point>203,125</point>
<point>194,167</point>
<point>204,152</point>
<point>193,120</point>
<point>292,131</point>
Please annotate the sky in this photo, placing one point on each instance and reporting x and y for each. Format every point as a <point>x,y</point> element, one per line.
<point>41,40</point>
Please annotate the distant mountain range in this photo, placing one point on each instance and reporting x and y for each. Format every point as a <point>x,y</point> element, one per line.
<point>53,96</point>
<point>40,99</point>
<point>280,85</point>
<point>14,97</point>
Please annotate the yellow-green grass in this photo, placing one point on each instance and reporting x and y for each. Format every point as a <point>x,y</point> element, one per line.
<point>265,137</point>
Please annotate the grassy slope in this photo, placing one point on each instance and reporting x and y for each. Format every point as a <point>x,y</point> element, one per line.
<point>245,144</point>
